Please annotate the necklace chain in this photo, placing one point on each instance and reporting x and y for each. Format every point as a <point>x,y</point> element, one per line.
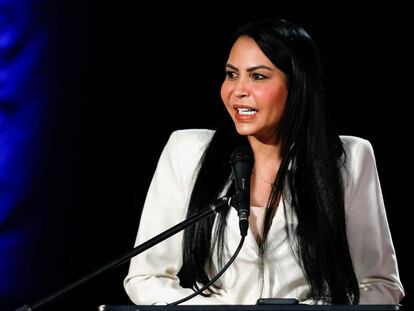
<point>262,179</point>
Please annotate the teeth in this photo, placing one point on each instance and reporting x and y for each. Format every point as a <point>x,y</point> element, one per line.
<point>246,111</point>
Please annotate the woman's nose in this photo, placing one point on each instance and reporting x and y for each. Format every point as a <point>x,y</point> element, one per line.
<point>241,89</point>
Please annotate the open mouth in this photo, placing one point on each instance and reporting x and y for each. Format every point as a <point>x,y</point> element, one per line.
<point>246,111</point>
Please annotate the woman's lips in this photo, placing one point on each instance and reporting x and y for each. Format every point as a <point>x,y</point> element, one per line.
<point>244,113</point>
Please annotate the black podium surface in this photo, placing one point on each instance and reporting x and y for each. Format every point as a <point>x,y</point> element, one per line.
<point>297,307</point>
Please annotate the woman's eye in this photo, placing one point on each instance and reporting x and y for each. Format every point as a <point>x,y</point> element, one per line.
<point>257,76</point>
<point>231,75</point>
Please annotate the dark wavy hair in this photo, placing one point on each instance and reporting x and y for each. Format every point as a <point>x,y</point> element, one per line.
<point>309,176</point>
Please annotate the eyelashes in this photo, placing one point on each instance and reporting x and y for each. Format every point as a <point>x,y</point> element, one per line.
<point>233,75</point>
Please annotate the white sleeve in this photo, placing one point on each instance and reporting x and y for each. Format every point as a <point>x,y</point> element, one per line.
<point>370,242</point>
<point>152,275</point>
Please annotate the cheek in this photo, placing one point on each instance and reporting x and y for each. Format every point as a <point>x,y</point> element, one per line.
<point>224,93</point>
<point>273,96</point>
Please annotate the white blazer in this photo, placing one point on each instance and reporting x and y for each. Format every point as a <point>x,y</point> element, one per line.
<point>152,275</point>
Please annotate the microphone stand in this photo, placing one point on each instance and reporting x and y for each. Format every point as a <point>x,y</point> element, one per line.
<point>215,207</point>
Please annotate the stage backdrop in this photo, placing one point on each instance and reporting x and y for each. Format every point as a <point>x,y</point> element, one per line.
<point>119,80</point>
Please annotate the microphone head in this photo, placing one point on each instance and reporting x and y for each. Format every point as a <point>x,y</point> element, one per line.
<point>242,164</point>
<point>241,153</point>
<point>241,161</point>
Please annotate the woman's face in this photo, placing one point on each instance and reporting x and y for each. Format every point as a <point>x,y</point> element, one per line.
<point>254,91</point>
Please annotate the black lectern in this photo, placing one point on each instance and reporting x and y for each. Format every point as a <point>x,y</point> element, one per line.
<point>297,307</point>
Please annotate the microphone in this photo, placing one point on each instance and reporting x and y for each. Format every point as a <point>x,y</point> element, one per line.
<point>241,161</point>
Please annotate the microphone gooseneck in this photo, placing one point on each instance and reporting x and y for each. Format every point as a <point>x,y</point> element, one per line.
<point>241,161</point>
<point>215,207</point>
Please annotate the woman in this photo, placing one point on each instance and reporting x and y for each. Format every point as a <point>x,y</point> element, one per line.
<point>318,227</point>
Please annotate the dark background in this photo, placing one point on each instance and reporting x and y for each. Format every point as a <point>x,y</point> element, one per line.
<point>127,77</point>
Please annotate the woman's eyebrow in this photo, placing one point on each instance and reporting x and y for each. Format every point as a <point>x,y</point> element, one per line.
<point>250,69</point>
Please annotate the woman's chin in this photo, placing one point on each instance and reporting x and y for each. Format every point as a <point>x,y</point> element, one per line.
<point>244,130</point>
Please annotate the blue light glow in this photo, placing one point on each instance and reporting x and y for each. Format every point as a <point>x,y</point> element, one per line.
<point>22,104</point>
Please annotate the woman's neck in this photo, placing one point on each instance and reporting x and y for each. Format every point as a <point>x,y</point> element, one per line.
<point>267,157</point>
<point>267,161</point>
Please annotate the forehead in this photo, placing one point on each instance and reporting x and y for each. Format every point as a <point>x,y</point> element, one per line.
<point>246,52</point>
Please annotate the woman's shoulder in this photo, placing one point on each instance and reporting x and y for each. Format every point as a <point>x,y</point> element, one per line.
<point>189,144</point>
<point>185,149</point>
<point>193,137</point>
<point>359,154</point>
<point>354,145</point>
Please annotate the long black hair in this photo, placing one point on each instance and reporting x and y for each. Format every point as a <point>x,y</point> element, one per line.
<point>312,157</point>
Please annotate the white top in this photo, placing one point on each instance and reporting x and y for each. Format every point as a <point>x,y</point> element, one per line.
<point>152,274</point>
